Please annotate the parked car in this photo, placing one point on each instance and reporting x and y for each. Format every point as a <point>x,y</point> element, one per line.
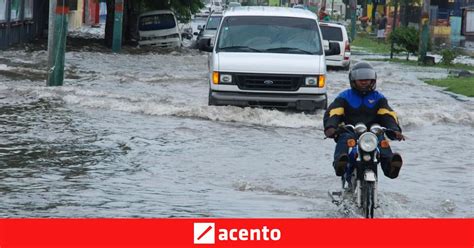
<point>270,57</point>
<point>334,32</point>
<point>233,4</point>
<point>215,5</point>
<point>209,30</point>
<point>159,28</point>
<point>299,6</point>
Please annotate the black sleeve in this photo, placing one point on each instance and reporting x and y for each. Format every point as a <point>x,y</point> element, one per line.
<point>386,116</point>
<point>334,114</point>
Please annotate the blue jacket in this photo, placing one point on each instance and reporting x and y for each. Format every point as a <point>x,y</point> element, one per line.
<point>351,107</point>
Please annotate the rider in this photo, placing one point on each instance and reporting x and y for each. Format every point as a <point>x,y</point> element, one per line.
<point>362,104</point>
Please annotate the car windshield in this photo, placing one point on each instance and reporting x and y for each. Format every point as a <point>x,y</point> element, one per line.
<point>213,22</point>
<point>156,22</point>
<point>331,33</point>
<point>269,34</point>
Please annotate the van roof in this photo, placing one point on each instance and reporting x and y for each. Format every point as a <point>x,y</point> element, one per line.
<point>157,12</point>
<point>270,11</point>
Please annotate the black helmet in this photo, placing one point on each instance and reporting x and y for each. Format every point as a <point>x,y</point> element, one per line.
<point>363,71</point>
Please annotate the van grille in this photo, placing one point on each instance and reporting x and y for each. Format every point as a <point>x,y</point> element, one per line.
<point>269,82</point>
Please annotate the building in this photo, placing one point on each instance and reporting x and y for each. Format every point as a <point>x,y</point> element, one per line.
<point>467,22</point>
<point>22,20</point>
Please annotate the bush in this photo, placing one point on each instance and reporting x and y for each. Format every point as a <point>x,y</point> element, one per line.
<point>448,56</point>
<point>406,39</point>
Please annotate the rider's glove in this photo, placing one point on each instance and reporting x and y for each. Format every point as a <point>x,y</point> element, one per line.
<point>399,136</point>
<point>330,132</point>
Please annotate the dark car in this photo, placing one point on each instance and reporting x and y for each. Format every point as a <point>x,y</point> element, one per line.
<point>209,30</point>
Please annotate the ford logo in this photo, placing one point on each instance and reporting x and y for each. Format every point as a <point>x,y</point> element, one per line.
<point>268,82</point>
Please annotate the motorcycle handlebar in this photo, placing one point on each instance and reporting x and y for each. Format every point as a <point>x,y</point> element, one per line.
<point>351,129</point>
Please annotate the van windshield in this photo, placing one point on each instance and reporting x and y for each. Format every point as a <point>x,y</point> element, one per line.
<point>156,22</point>
<point>269,34</point>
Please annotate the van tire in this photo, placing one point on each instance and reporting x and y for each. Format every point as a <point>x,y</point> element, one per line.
<point>325,105</point>
<point>211,101</point>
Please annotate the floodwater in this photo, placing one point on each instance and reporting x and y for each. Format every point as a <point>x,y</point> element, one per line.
<point>131,135</point>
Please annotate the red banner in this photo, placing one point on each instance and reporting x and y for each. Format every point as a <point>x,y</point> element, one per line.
<point>62,10</point>
<point>236,233</point>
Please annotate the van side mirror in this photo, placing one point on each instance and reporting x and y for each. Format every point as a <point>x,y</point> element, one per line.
<point>200,27</point>
<point>206,45</point>
<point>334,49</point>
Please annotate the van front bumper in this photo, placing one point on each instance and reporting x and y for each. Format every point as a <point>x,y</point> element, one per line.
<point>165,43</point>
<point>305,102</point>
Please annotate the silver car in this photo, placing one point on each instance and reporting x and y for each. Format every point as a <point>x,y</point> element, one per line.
<point>209,30</point>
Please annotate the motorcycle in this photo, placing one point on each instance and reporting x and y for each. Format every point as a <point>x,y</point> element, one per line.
<point>361,171</point>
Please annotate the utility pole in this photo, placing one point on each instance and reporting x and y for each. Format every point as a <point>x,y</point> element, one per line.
<point>57,41</point>
<point>424,31</point>
<point>353,4</point>
<point>118,19</point>
<point>332,9</point>
<point>394,26</point>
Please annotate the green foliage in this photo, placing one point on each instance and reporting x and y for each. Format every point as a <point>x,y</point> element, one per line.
<point>364,42</point>
<point>448,56</point>
<point>406,39</point>
<point>463,86</point>
<point>458,66</point>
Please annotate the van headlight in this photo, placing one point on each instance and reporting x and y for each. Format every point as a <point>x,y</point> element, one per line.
<point>226,78</point>
<point>311,81</point>
<point>368,142</point>
<point>316,81</point>
<point>172,36</point>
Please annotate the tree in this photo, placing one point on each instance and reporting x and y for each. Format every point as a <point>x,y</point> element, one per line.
<point>406,39</point>
<point>132,9</point>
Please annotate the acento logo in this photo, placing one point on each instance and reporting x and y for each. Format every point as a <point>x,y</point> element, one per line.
<point>205,233</point>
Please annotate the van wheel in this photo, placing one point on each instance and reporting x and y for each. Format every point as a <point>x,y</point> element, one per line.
<point>211,101</point>
<point>347,67</point>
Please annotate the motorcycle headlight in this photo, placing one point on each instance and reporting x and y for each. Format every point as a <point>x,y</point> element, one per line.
<point>368,142</point>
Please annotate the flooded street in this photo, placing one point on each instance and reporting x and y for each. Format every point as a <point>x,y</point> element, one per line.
<point>131,135</point>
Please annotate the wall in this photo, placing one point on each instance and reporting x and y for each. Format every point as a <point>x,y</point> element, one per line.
<point>76,16</point>
<point>455,22</point>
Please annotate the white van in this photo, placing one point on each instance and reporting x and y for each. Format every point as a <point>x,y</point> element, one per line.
<point>337,33</point>
<point>270,57</point>
<point>159,28</point>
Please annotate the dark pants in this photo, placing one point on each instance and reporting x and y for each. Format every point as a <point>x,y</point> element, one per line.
<point>386,154</point>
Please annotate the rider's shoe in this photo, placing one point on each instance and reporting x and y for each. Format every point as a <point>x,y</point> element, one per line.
<point>395,165</point>
<point>340,164</point>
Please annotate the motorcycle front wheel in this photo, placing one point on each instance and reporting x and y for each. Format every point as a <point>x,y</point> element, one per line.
<point>368,199</point>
